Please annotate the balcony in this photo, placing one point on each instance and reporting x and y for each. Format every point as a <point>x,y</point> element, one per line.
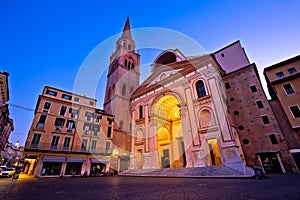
<point>75,148</point>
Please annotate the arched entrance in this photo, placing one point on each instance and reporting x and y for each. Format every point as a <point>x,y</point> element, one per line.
<point>170,143</point>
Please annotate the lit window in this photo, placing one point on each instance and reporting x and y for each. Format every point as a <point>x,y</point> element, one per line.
<point>295,110</point>
<point>280,74</point>
<point>292,70</point>
<point>200,89</point>
<point>288,88</point>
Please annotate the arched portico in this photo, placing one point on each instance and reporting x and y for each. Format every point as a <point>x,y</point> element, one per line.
<point>170,146</point>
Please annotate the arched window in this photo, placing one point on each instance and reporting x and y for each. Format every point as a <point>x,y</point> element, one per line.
<point>200,89</point>
<point>131,90</point>
<point>124,90</point>
<point>140,112</point>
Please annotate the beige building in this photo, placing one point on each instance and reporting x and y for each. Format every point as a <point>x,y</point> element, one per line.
<point>68,136</point>
<point>284,87</point>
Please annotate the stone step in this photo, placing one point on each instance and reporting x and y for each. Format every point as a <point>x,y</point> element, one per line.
<point>197,171</point>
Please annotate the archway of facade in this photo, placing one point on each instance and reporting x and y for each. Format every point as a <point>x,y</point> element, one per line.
<point>170,145</point>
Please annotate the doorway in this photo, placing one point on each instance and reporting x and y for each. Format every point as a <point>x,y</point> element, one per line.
<point>214,153</point>
<point>139,159</point>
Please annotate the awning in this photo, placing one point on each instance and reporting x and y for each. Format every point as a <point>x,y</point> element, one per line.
<point>54,159</point>
<point>76,159</point>
<point>99,160</point>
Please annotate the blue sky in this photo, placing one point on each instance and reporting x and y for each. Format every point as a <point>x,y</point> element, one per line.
<point>45,42</point>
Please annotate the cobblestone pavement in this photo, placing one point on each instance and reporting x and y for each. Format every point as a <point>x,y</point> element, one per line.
<point>273,187</point>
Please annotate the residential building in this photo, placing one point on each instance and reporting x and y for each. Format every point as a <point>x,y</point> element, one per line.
<point>68,136</point>
<point>6,124</point>
<point>284,86</point>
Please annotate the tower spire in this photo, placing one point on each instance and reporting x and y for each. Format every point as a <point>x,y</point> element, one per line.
<point>126,30</point>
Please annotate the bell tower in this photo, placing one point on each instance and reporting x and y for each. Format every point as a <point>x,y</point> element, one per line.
<point>122,79</point>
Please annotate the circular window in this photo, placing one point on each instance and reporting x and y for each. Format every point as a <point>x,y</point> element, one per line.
<point>231,99</point>
<point>245,141</point>
<point>236,112</point>
<point>241,127</point>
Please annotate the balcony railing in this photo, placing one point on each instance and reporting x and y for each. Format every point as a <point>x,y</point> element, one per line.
<point>70,148</point>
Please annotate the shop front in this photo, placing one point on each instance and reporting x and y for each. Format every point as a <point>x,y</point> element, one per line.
<point>98,166</point>
<point>74,166</point>
<point>52,165</point>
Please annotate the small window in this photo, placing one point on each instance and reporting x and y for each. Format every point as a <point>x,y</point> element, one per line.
<point>222,54</point>
<point>273,139</point>
<point>141,112</point>
<point>62,111</point>
<point>241,128</point>
<point>292,70</point>
<point>65,96</point>
<point>91,103</point>
<point>245,141</point>
<point>231,99</point>
<point>66,143</point>
<point>227,85</point>
<point>288,88</point>
<point>123,90</point>
<point>41,122</point>
<point>83,144</point>
<point>94,145</point>
<point>109,131</point>
<point>59,123</point>
<point>107,147</point>
<point>295,110</point>
<point>98,118</point>
<point>52,93</point>
<point>253,88</point>
<point>110,120</point>
<point>265,119</point>
<point>46,106</point>
<point>76,99</point>
<point>236,112</point>
<point>35,140</point>
<point>280,74</point>
<point>54,142</point>
<point>259,104</point>
<point>200,89</point>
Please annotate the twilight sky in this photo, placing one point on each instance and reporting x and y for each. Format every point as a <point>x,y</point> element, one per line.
<point>46,42</point>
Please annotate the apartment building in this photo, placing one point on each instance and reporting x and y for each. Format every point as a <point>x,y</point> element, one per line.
<point>283,81</point>
<point>68,136</point>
